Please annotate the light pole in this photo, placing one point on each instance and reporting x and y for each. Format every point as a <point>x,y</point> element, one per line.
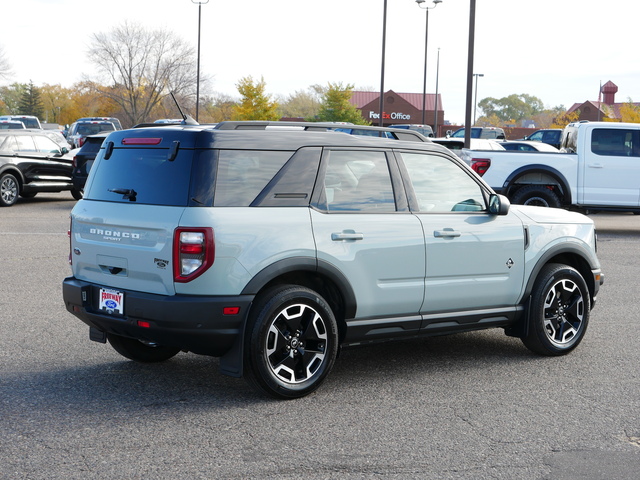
<point>435,123</point>
<point>426,42</point>
<point>200,3</point>
<point>475,102</point>
<point>384,39</point>
<point>472,34</point>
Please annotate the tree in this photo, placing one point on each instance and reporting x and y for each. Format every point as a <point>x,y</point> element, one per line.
<point>11,96</point>
<point>5,66</point>
<point>30,102</point>
<point>565,119</point>
<point>335,106</point>
<point>512,108</point>
<point>302,104</point>
<point>254,103</point>
<point>630,112</point>
<point>217,108</point>
<point>140,66</point>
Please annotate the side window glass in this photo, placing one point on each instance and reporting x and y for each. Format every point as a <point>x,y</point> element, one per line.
<point>46,145</point>
<point>358,181</point>
<point>25,144</point>
<point>615,142</point>
<point>441,186</point>
<point>243,174</point>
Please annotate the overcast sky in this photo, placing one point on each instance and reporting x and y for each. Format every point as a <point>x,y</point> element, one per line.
<point>557,50</point>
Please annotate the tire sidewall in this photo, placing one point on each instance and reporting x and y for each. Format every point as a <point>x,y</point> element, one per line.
<point>273,302</point>
<point>537,339</point>
<point>11,178</point>
<point>530,192</point>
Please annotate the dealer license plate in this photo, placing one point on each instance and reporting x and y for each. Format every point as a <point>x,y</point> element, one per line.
<point>111,301</point>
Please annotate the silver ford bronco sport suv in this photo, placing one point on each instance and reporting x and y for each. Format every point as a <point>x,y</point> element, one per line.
<point>273,248</point>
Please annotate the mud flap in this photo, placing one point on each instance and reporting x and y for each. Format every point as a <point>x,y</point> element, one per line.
<point>520,328</point>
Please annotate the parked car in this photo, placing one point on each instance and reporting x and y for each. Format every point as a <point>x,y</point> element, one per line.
<point>552,136</point>
<point>494,133</point>
<point>114,120</point>
<point>83,159</point>
<point>273,248</point>
<point>29,121</point>
<point>78,131</point>
<point>425,130</point>
<point>30,162</point>
<point>11,125</point>
<point>528,146</point>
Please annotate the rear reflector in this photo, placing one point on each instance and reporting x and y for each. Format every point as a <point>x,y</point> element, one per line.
<point>144,324</point>
<point>231,310</point>
<point>141,141</point>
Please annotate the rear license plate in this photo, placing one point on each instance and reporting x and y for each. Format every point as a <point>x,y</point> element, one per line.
<point>111,301</point>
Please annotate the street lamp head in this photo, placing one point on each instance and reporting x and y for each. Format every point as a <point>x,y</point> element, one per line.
<point>435,3</point>
<point>204,2</point>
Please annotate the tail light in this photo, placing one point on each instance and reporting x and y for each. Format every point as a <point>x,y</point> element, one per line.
<point>480,165</point>
<point>81,141</point>
<point>193,253</point>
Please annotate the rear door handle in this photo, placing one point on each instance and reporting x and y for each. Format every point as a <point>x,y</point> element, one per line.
<point>595,165</point>
<point>336,237</point>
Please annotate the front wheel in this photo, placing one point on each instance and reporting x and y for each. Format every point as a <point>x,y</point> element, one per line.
<point>537,196</point>
<point>145,352</point>
<point>291,342</point>
<point>9,190</point>
<point>560,308</point>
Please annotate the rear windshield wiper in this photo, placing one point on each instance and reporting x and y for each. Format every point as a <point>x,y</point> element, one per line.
<point>127,193</point>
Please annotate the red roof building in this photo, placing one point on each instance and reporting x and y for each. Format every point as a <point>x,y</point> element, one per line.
<point>399,108</point>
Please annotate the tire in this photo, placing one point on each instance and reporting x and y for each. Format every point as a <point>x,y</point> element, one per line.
<point>560,309</point>
<point>291,342</point>
<point>77,193</point>
<point>536,195</point>
<point>141,351</point>
<point>9,190</point>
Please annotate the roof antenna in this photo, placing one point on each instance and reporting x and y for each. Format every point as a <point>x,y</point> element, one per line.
<point>186,119</point>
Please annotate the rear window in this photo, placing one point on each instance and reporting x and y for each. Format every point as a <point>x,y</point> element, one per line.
<point>141,175</point>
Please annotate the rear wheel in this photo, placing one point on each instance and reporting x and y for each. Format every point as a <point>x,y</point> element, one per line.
<point>537,196</point>
<point>77,193</point>
<point>9,190</point>
<point>291,342</point>
<point>560,308</point>
<point>139,351</point>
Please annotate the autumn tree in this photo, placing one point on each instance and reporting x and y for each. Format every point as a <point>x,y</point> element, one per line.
<point>335,105</point>
<point>10,96</point>
<point>217,108</point>
<point>565,119</point>
<point>254,103</point>
<point>140,66</point>
<point>630,112</point>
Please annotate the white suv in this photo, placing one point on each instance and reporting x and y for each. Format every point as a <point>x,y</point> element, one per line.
<point>272,249</point>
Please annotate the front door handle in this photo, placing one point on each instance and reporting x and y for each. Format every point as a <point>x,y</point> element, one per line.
<point>447,232</point>
<point>336,237</point>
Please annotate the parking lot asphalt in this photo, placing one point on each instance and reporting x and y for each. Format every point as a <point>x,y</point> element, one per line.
<point>468,406</point>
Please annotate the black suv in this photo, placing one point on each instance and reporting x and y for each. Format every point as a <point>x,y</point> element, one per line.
<point>31,162</point>
<point>83,159</point>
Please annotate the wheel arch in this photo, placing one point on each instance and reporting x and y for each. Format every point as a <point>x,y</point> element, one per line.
<point>571,255</point>
<point>13,170</point>
<point>538,175</point>
<point>318,275</point>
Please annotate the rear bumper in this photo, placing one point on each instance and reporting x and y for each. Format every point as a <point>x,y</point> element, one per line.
<point>193,323</point>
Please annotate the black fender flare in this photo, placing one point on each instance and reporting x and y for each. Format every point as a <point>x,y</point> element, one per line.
<point>558,176</point>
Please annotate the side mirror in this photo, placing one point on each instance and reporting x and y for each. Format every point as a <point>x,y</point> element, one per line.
<point>498,204</point>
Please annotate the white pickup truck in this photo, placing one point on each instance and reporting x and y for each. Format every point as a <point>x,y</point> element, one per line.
<point>598,169</point>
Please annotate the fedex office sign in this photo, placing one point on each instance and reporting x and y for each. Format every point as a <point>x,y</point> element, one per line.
<point>390,116</point>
